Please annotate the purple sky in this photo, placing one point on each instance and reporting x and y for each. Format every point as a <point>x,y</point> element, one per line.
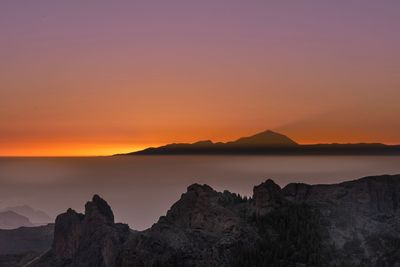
<point>100,77</point>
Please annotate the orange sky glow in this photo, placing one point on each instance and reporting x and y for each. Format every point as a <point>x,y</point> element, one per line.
<point>78,80</point>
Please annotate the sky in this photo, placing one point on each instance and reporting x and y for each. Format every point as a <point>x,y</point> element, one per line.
<point>104,77</point>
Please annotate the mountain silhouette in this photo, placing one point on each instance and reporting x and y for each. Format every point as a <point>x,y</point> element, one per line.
<point>12,220</point>
<point>268,143</point>
<point>37,217</point>
<point>266,138</point>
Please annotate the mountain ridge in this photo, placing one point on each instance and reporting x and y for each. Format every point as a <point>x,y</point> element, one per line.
<point>37,217</point>
<point>354,223</point>
<point>268,143</point>
<point>12,220</point>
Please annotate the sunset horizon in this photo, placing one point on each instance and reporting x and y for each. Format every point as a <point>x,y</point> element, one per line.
<point>108,149</point>
<point>212,133</point>
<point>144,74</point>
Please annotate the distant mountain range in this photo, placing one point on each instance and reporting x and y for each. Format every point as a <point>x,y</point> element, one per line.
<point>22,216</point>
<point>35,216</point>
<point>268,143</point>
<point>11,220</point>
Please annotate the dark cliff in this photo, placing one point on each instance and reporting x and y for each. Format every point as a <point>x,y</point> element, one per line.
<point>354,223</point>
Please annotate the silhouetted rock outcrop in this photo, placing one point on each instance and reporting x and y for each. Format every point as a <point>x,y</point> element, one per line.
<point>354,223</point>
<point>201,229</point>
<point>267,196</point>
<point>92,239</point>
<point>67,234</point>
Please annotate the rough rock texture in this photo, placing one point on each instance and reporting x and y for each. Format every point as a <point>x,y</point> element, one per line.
<point>363,216</point>
<point>92,239</point>
<point>267,196</point>
<point>354,223</point>
<point>201,229</point>
<point>67,234</point>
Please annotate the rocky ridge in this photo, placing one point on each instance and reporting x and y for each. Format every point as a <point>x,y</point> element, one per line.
<point>355,223</point>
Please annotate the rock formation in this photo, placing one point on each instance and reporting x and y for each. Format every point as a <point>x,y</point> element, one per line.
<point>92,239</point>
<point>354,223</point>
<point>267,196</point>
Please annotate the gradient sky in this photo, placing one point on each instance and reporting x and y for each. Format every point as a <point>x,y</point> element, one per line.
<point>103,77</point>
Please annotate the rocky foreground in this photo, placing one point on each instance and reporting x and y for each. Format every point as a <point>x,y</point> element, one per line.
<point>355,223</point>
